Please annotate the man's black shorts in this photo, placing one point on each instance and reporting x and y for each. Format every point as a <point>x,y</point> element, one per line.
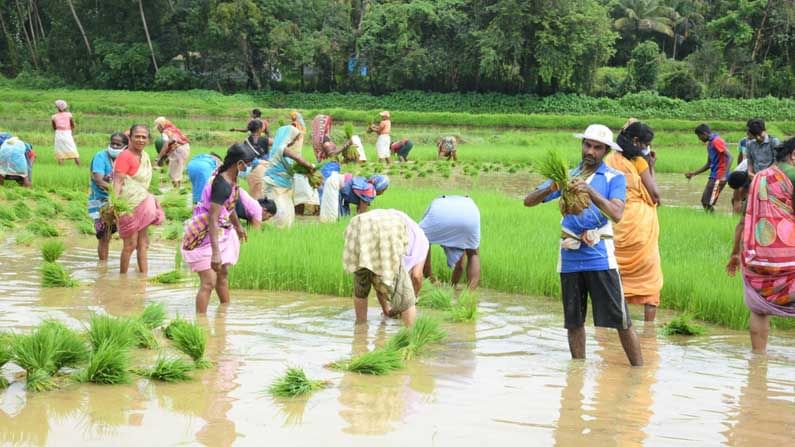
<point>607,298</point>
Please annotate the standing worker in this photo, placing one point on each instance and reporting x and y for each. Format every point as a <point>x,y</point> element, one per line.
<point>760,149</point>
<point>587,262</point>
<point>718,162</point>
<point>176,149</point>
<point>382,143</point>
<point>63,124</point>
<point>100,184</point>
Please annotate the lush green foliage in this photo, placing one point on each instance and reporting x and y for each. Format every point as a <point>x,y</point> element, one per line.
<point>295,383</point>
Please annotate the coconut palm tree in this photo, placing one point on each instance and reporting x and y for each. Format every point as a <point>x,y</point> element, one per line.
<point>79,26</point>
<point>146,31</point>
<point>644,16</point>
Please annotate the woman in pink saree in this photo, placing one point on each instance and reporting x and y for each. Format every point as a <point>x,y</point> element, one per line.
<point>765,245</point>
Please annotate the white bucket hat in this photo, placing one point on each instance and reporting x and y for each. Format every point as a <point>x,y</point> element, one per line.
<point>600,133</point>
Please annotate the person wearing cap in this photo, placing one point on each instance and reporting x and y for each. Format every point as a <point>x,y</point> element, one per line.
<point>454,223</point>
<point>63,124</point>
<point>382,143</point>
<point>175,149</point>
<point>16,160</point>
<point>212,236</point>
<point>719,160</point>
<point>587,263</point>
<point>637,235</point>
<point>340,191</point>
<point>385,250</point>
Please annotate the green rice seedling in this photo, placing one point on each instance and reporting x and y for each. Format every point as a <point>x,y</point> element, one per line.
<point>556,168</point>
<point>401,340</point>
<point>7,224</point>
<point>108,364</point>
<point>46,209</point>
<point>466,309</point>
<point>76,214</point>
<point>173,201</point>
<point>21,211</point>
<point>54,275</point>
<point>38,381</point>
<point>173,325</point>
<point>191,339</point>
<point>348,129</point>
<point>70,350</point>
<point>106,329</point>
<point>171,277</point>
<point>295,383</point>
<point>178,214</point>
<point>376,362</point>
<point>86,227</point>
<point>7,214</point>
<point>24,238</point>
<point>119,205</point>
<point>51,250</point>
<point>437,297</point>
<point>36,353</point>
<point>5,356</point>
<point>168,369</point>
<point>683,325</point>
<point>153,315</point>
<point>144,338</point>
<point>42,228</point>
<point>13,193</point>
<point>425,331</point>
<point>172,233</point>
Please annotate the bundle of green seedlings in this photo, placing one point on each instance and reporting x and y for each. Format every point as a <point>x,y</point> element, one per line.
<point>350,154</point>
<point>439,297</point>
<point>167,369</point>
<point>111,339</point>
<point>40,227</point>
<point>411,342</point>
<point>466,308</point>
<point>377,362</point>
<point>5,356</point>
<point>191,339</point>
<point>172,277</point>
<point>556,168</point>
<point>295,383</point>
<point>52,273</point>
<point>117,206</point>
<point>683,325</point>
<point>46,350</point>
<point>315,177</point>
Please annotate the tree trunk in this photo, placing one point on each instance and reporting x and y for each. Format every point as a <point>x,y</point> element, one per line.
<point>21,21</point>
<point>760,31</point>
<point>79,26</point>
<point>250,63</point>
<point>38,19</point>
<point>146,31</point>
<point>12,48</point>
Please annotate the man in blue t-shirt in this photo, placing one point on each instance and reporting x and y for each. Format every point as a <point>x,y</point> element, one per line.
<point>101,182</point>
<point>587,263</point>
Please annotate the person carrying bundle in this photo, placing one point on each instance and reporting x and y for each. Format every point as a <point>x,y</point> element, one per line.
<point>278,177</point>
<point>587,263</point>
<point>175,149</point>
<point>385,250</point>
<point>454,223</point>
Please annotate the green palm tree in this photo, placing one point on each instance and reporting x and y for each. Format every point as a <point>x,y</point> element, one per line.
<point>644,16</point>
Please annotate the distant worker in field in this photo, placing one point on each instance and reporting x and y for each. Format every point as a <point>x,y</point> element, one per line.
<point>176,149</point>
<point>587,263</point>
<point>200,169</point>
<point>278,179</point>
<point>16,160</point>
<point>382,143</point>
<point>63,124</point>
<point>760,150</point>
<point>446,147</point>
<point>255,115</point>
<point>340,191</point>
<point>402,148</point>
<point>718,163</point>
<point>260,144</point>
<point>764,245</point>
<point>385,250</point>
<point>637,235</point>
<point>99,186</point>
<point>211,244</point>
<point>454,223</point>
<point>322,145</point>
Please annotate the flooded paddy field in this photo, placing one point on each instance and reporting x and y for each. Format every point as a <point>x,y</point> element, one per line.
<point>504,379</point>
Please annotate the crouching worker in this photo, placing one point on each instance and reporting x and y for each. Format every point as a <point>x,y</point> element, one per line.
<point>385,250</point>
<point>454,223</point>
<point>16,160</point>
<point>254,211</point>
<point>212,236</point>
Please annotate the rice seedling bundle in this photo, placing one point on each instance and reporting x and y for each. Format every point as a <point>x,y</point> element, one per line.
<point>76,214</point>
<point>54,275</point>
<point>51,250</point>
<point>172,326</point>
<point>437,297</point>
<point>119,206</point>
<point>22,211</point>
<point>42,228</point>
<point>315,177</point>
<point>376,362</point>
<point>70,347</point>
<point>7,214</point>
<point>171,277</point>
<point>172,232</point>
<point>153,315</point>
<point>295,383</point>
<point>36,354</point>
<point>5,356</point>
<point>683,325</point>
<point>108,364</point>
<point>144,338</point>
<point>168,369</point>
<point>46,210</point>
<point>86,227</point>
<point>24,238</point>
<point>191,339</point>
<point>178,214</point>
<point>105,329</point>
<point>466,309</point>
<point>556,168</point>
<point>425,331</point>
<point>348,129</point>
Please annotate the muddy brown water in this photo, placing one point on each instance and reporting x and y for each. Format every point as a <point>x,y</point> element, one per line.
<point>504,380</point>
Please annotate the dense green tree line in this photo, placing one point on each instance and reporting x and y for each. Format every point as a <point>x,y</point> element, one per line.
<point>680,48</point>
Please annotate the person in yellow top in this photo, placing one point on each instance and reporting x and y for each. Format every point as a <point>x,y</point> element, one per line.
<point>637,234</point>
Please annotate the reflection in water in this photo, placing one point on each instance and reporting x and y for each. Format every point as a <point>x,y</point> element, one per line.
<point>766,409</point>
<point>616,409</point>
